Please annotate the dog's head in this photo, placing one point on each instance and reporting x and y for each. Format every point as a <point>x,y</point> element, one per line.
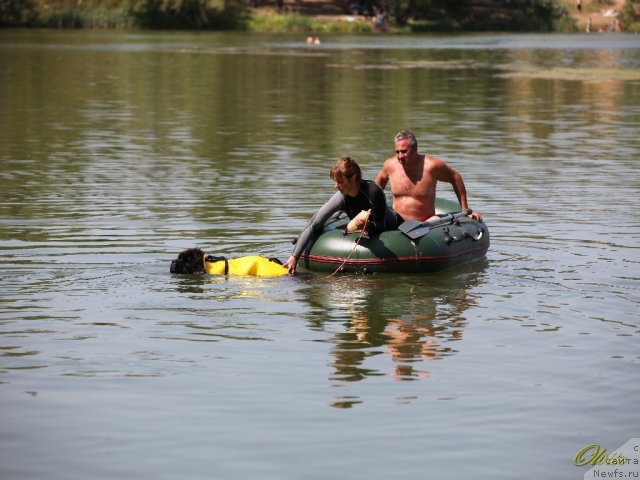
<point>189,261</point>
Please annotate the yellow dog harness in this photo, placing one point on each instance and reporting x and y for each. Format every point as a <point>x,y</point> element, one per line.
<point>250,265</point>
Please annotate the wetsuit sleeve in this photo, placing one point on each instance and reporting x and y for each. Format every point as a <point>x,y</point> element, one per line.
<point>334,204</point>
<point>378,218</point>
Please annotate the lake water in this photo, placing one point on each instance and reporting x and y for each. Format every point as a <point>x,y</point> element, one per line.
<point>118,150</point>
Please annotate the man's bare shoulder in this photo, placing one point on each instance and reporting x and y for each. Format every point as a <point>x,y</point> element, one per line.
<point>439,170</point>
<point>430,160</point>
<point>390,163</point>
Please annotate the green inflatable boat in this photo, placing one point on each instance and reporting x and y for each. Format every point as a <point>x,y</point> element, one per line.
<point>415,247</point>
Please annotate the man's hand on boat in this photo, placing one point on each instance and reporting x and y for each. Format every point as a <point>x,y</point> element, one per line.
<point>475,215</point>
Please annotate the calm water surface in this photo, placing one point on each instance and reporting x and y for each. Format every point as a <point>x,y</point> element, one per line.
<point>118,150</point>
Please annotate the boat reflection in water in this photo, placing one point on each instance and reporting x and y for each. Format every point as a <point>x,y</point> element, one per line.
<point>392,325</point>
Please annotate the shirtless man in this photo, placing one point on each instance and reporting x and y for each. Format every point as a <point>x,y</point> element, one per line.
<point>413,180</point>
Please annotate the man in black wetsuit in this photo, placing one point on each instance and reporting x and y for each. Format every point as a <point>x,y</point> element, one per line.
<point>363,201</point>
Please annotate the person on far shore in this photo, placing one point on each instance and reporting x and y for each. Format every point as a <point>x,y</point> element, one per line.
<point>363,201</point>
<point>414,177</point>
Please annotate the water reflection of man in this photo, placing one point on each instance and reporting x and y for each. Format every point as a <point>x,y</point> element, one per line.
<point>408,343</point>
<point>408,325</point>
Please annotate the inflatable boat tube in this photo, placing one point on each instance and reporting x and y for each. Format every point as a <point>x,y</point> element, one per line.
<point>426,247</point>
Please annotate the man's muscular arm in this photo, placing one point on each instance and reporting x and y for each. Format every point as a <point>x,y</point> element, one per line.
<point>382,178</point>
<point>445,173</point>
<point>459,189</point>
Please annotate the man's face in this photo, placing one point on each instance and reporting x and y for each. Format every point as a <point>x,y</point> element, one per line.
<point>346,186</point>
<point>403,150</point>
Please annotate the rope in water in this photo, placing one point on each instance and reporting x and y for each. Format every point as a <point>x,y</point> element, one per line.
<point>362,232</point>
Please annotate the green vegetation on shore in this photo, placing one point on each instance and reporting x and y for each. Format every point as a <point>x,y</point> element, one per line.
<point>297,23</point>
<point>402,15</point>
<point>630,16</point>
<point>159,14</point>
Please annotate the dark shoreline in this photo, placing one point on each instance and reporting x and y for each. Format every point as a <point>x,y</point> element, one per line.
<point>319,16</point>
<point>326,17</point>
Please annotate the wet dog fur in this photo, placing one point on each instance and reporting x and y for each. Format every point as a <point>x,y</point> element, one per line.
<point>189,261</point>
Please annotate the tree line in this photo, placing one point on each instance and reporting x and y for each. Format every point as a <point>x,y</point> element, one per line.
<point>507,15</point>
<point>158,14</point>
